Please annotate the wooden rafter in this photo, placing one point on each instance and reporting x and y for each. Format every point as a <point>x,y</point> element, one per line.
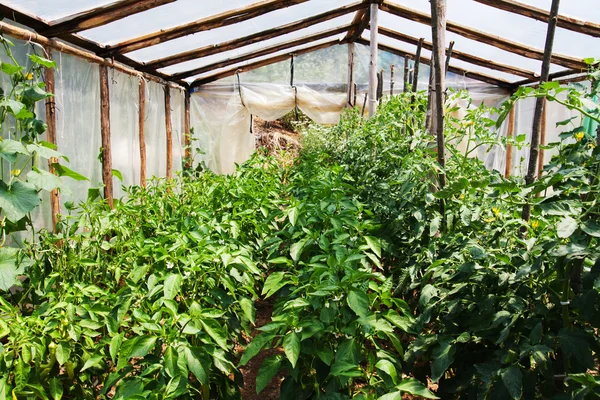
<point>100,16</point>
<point>359,23</point>
<point>256,37</point>
<point>469,74</point>
<point>527,10</point>
<point>471,59</point>
<point>249,67</point>
<point>260,53</point>
<point>204,24</point>
<point>483,37</point>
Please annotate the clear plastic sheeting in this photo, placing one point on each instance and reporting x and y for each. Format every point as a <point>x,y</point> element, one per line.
<point>177,123</point>
<point>155,128</point>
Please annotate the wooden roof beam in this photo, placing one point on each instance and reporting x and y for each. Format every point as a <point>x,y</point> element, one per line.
<point>100,16</point>
<point>471,59</point>
<point>262,63</point>
<point>256,37</point>
<point>469,74</point>
<point>483,37</point>
<point>359,23</point>
<point>260,53</point>
<point>527,10</point>
<point>204,24</point>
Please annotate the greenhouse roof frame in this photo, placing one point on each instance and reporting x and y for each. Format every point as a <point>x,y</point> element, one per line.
<point>72,29</point>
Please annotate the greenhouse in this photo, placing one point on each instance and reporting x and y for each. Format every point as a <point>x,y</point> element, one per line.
<point>300,199</point>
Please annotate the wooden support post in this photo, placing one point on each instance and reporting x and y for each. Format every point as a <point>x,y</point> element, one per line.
<point>406,71</point>
<point>541,160</point>
<point>431,89</point>
<point>187,131</point>
<point>350,73</point>
<point>142,134</point>
<point>51,134</point>
<point>539,105</point>
<point>380,86</point>
<point>169,132</point>
<point>415,82</point>
<point>355,95</point>
<point>107,176</point>
<point>448,57</point>
<point>438,15</point>
<point>510,134</point>
<point>392,80</point>
<point>374,27</point>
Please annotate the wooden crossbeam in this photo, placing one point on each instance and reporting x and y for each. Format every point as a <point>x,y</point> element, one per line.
<point>100,16</point>
<point>527,10</point>
<point>359,23</point>
<point>254,38</point>
<point>262,63</point>
<point>471,59</point>
<point>483,37</point>
<point>204,24</point>
<point>260,53</point>
<point>469,74</point>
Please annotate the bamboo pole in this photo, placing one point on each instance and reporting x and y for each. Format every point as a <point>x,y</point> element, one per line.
<point>541,160</point>
<point>539,105</point>
<point>169,129</point>
<point>438,15</point>
<point>187,131</point>
<point>415,82</point>
<point>374,54</point>
<point>350,73</point>
<point>142,131</point>
<point>51,135</point>
<point>510,133</point>
<point>107,176</point>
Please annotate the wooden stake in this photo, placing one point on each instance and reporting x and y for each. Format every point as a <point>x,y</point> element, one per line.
<point>406,71</point>
<point>350,73</point>
<point>539,105</point>
<point>542,140</point>
<point>169,132</point>
<point>430,105</point>
<point>415,82</point>
<point>107,176</point>
<point>448,57</point>
<point>380,86</point>
<point>142,134</point>
<point>510,133</point>
<point>355,95</point>
<point>374,54</point>
<point>438,16</point>
<point>51,134</point>
<point>392,80</point>
<point>187,131</point>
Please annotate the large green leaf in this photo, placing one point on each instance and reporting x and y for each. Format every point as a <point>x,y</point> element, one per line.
<point>247,306</point>
<point>359,303</point>
<point>416,388</point>
<point>273,283</point>
<point>374,245</point>
<point>267,371</point>
<point>443,357</point>
<point>10,149</point>
<point>170,358</point>
<point>256,346</point>
<point>138,346</point>
<point>18,200</point>
<point>296,249</point>
<point>215,331</point>
<point>12,264</point>
<point>61,170</point>
<point>43,180</point>
<point>591,227</point>
<point>566,227</point>
<point>198,363</point>
<point>512,378</point>
<point>172,286</point>
<point>291,347</point>
<point>92,362</point>
<point>56,389</point>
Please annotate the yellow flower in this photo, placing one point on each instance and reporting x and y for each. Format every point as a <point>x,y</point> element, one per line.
<point>592,146</point>
<point>488,220</point>
<point>496,211</point>
<point>579,136</point>
<point>461,197</point>
<point>535,224</point>
<point>15,172</point>
<point>29,76</point>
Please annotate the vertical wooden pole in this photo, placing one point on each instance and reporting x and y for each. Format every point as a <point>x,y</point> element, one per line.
<point>510,133</point>
<point>430,105</point>
<point>448,57</point>
<point>539,105</point>
<point>374,27</point>
<point>187,131</point>
<point>406,71</point>
<point>350,73</point>
<point>380,86</point>
<point>51,134</point>
<point>142,131</point>
<point>541,160</point>
<point>415,82</point>
<point>438,15</point>
<point>169,132</point>
<point>392,80</point>
<point>355,95</point>
<point>107,177</point>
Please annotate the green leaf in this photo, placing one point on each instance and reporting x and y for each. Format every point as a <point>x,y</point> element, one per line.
<point>56,389</point>
<point>374,245</point>
<point>115,345</point>
<point>296,250</point>
<point>391,396</point>
<point>61,170</point>
<point>566,227</point>
<point>512,378</point>
<point>591,227</point>
<point>443,357</point>
<point>273,283</point>
<point>389,368</point>
<point>11,69</point>
<point>42,61</point>
<point>43,180</point>
<point>293,215</point>
<point>198,364</point>
<point>139,346</point>
<point>10,149</point>
<point>247,306</point>
<point>172,286</point>
<point>117,174</point>
<point>291,347</point>
<point>415,388</point>
<point>267,371</point>
<point>255,346</point>
<point>14,106</point>
<point>45,150</point>
<point>215,331</point>
<point>18,200</point>
<point>170,358</point>
<point>359,303</point>
<point>10,267</point>
<point>92,362</point>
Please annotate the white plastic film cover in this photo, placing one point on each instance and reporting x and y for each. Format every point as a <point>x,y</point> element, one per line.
<point>155,130</point>
<point>177,125</point>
